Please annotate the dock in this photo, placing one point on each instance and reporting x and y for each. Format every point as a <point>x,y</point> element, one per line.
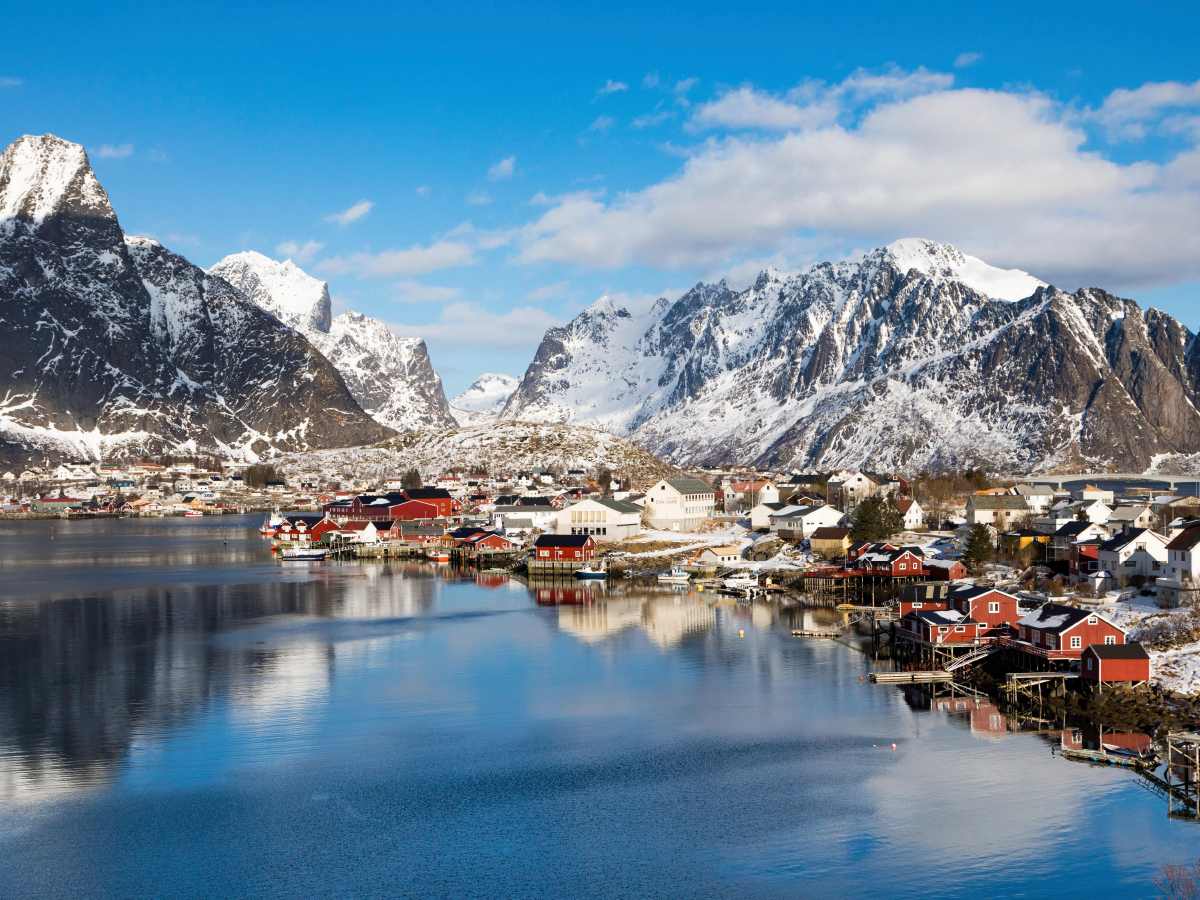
<point>934,676</point>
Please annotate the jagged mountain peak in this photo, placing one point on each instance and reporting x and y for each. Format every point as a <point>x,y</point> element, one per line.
<point>484,400</point>
<point>42,175</point>
<point>915,355</point>
<point>281,288</point>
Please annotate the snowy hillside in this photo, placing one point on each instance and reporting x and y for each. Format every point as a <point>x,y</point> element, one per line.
<point>120,346</point>
<point>391,377</point>
<point>915,356</point>
<point>503,448</point>
<point>483,401</point>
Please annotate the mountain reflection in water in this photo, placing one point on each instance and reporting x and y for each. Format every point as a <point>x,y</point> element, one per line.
<point>183,715</point>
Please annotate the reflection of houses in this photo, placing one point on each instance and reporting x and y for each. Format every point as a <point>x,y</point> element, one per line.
<point>669,620</point>
<point>666,620</point>
<point>601,620</point>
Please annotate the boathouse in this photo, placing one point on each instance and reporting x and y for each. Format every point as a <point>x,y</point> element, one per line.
<point>994,610</point>
<point>574,548</point>
<point>1107,663</point>
<point>1055,631</point>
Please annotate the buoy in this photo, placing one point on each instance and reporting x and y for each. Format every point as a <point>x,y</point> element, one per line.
<point>860,678</point>
<point>893,746</point>
<point>741,634</point>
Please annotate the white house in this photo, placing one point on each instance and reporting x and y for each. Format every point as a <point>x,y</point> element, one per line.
<point>612,520</point>
<point>679,504</point>
<point>1180,585</point>
<point>914,516</point>
<point>1002,512</point>
<point>720,556</point>
<point>793,523</point>
<point>762,491</point>
<point>760,516</point>
<point>852,487</point>
<point>1138,551</point>
<point>1039,497</point>
<point>1126,517</point>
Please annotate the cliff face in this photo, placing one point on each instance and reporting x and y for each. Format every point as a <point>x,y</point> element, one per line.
<point>115,345</point>
<point>391,377</point>
<point>915,357</point>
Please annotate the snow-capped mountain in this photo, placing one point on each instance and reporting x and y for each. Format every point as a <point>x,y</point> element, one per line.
<point>916,356</point>
<point>483,401</point>
<point>116,345</point>
<point>391,377</point>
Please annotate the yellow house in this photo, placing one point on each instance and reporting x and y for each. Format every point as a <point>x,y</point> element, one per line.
<point>1013,542</point>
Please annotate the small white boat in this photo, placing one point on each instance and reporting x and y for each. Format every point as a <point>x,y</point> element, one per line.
<point>678,576</point>
<point>303,553</point>
<point>740,582</point>
<point>193,512</point>
<point>438,556</point>
<point>590,574</point>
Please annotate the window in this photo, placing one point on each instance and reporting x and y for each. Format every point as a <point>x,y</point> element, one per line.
<point>1089,664</point>
<point>903,567</point>
<point>1110,639</point>
<point>1050,642</point>
<point>960,627</point>
<point>1075,642</point>
<point>994,607</point>
<point>1092,620</point>
<point>942,629</point>
<point>918,605</point>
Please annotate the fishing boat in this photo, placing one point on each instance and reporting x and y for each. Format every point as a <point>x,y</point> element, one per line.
<point>303,553</point>
<point>270,523</point>
<point>438,556</point>
<point>591,574</point>
<point>740,582</point>
<point>193,512</point>
<point>678,576</point>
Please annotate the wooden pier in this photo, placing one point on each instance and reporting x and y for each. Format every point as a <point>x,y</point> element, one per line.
<point>929,677</point>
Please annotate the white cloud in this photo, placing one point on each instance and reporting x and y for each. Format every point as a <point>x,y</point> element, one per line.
<point>603,123</point>
<point>549,291</point>
<point>423,190</point>
<point>119,151</point>
<point>189,240</point>
<point>478,198</point>
<point>299,253</point>
<point>471,324</point>
<point>416,260</point>
<point>611,87</point>
<point>681,90</point>
<point>1003,175</point>
<point>9,82</point>
<point>353,214</point>
<point>651,118</point>
<point>651,80</point>
<point>415,292</point>
<point>158,156</point>
<point>502,169</point>
<point>1128,114</point>
<point>966,59</point>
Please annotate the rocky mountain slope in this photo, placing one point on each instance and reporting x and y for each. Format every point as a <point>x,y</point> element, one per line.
<point>391,377</point>
<point>116,345</point>
<point>501,448</point>
<point>915,357</point>
<point>484,400</point>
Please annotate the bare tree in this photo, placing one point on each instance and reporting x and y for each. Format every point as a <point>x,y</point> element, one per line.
<point>1178,881</point>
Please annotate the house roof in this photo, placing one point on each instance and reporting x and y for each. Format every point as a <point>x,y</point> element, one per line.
<point>999,502</point>
<point>562,540</point>
<point>1057,618</point>
<point>1186,540</point>
<point>621,506</point>
<point>426,493</point>
<point>940,616</point>
<point>1128,513</point>
<point>724,551</point>
<point>1125,538</point>
<point>1132,650</point>
<point>904,504</point>
<point>1074,529</point>
<point>689,485</point>
<point>829,533</point>
<point>970,592</point>
<point>943,563</point>
<point>1025,532</point>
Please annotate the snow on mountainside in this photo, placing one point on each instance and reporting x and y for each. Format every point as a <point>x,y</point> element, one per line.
<point>498,448</point>
<point>291,295</point>
<point>483,401</point>
<point>115,345</point>
<point>914,357</point>
<point>391,377</point>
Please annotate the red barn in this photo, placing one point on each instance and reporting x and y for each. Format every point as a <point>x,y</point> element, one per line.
<point>565,548</point>
<point>949,569</point>
<point>994,610</point>
<point>413,511</point>
<point>1102,663</point>
<point>1056,631</point>
<point>439,497</point>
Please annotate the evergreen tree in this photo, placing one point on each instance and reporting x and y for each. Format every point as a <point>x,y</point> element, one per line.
<point>979,546</point>
<point>891,520</point>
<point>1081,515</point>
<point>867,523</point>
<point>411,479</point>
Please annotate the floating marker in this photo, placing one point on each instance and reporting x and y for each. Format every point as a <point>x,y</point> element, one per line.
<point>893,746</point>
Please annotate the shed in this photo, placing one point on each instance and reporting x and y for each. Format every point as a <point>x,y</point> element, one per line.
<point>1102,663</point>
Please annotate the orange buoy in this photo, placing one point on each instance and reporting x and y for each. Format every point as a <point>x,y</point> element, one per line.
<point>893,746</point>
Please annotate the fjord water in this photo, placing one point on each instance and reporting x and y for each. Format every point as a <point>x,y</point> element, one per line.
<point>182,716</point>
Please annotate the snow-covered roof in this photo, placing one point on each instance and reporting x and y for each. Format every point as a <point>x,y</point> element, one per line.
<point>1056,617</point>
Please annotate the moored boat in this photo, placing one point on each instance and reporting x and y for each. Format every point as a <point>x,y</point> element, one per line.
<point>303,553</point>
<point>591,574</point>
<point>193,512</point>
<point>741,581</point>
<point>438,556</point>
<point>678,575</point>
<point>270,524</point>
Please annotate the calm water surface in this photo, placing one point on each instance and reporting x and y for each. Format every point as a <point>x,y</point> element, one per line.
<point>181,716</point>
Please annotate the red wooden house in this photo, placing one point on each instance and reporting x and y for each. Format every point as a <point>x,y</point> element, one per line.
<point>325,526</point>
<point>1103,663</point>
<point>858,548</point>
<point>910,605</point>
<point>490,540</point>
<point>446,505</point>
<point>949,569</point>
<point>413,511</point>
<point>1055,631</point>
<point>938,627</point>
<point>900,562</point>
<point>994,610</point>
<point>565,548</point>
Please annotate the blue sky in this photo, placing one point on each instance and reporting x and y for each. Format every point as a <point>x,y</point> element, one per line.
<point>473,173</point>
